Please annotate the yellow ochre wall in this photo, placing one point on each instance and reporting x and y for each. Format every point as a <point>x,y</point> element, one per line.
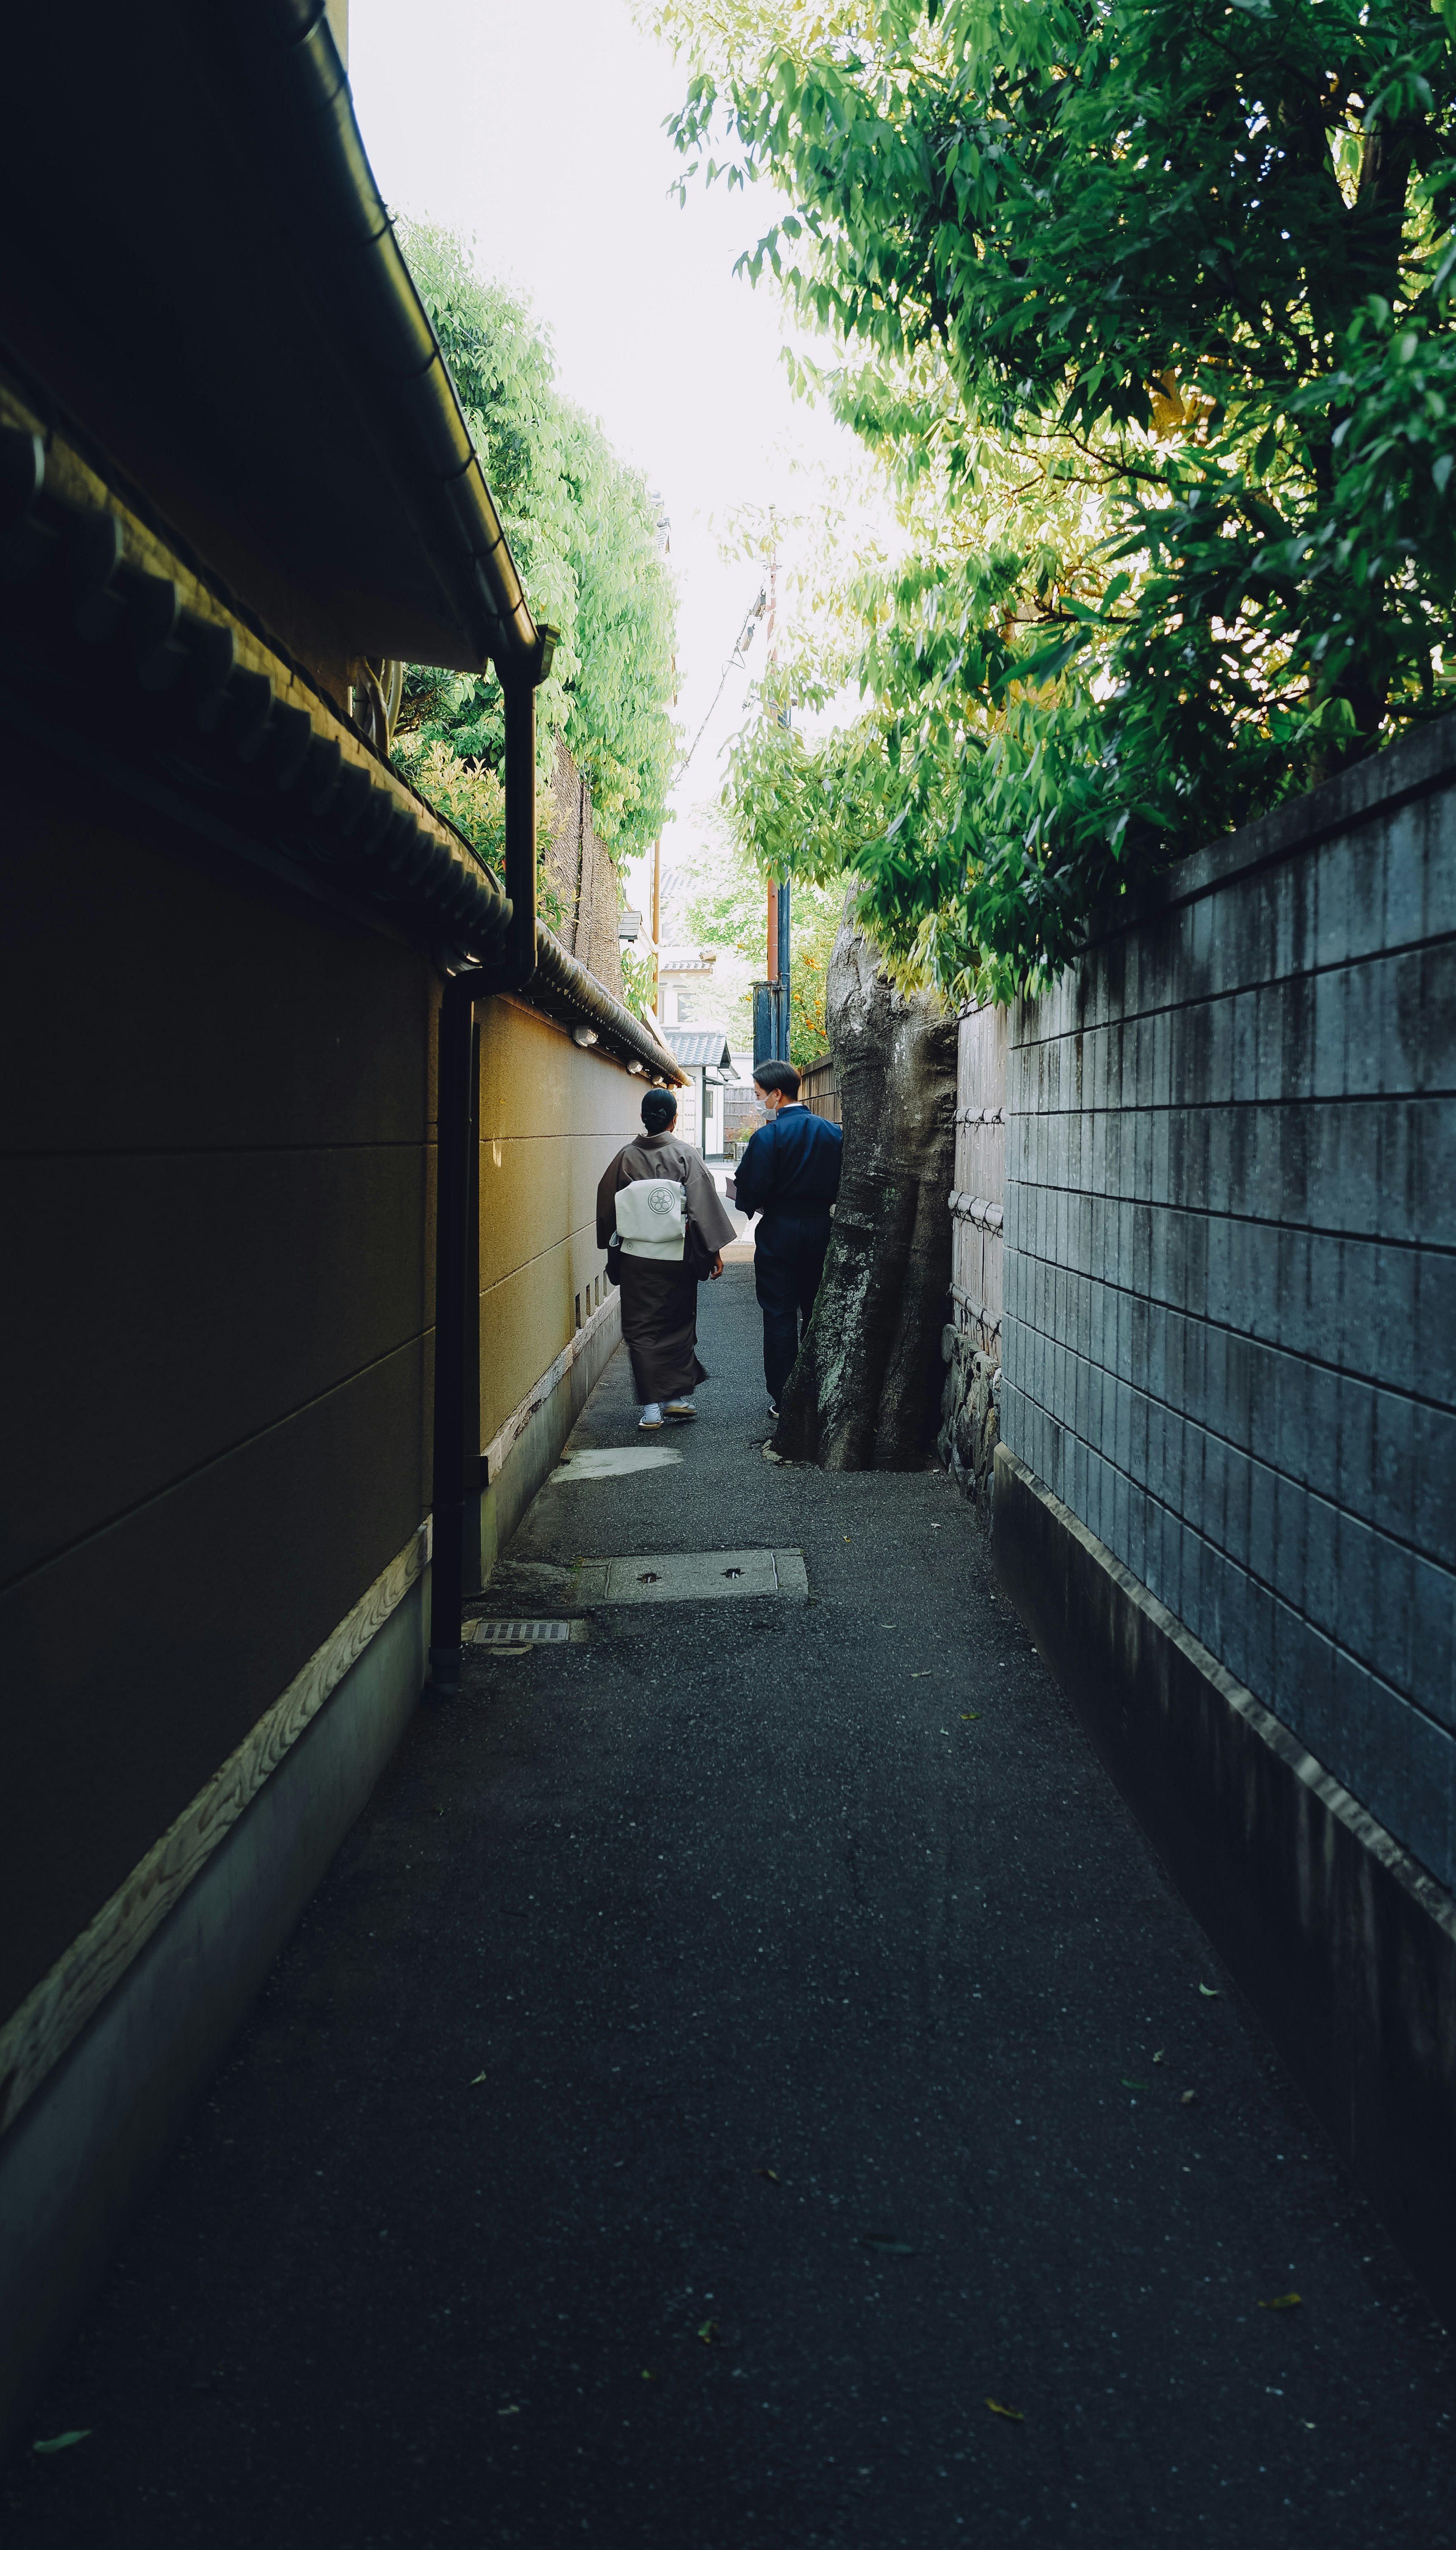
<point>552,1116</point>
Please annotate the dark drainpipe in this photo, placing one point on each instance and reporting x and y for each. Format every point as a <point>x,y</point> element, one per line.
<point>455,1133</point>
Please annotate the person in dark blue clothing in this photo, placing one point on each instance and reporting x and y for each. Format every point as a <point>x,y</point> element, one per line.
<point>790,1176</point>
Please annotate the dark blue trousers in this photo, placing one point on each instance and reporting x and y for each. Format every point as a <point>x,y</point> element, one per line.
<point>788,1261</point>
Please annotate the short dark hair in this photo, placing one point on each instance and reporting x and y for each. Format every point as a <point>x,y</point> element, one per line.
<point>659,1110</point>
<point>777,1075</point>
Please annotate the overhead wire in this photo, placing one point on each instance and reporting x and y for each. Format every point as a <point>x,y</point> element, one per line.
<point>734,662</point>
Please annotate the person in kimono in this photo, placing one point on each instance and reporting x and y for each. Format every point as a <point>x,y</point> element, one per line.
<point>659,1277</point>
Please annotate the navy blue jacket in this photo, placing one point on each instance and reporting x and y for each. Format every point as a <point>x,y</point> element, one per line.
<point>791,1165</point>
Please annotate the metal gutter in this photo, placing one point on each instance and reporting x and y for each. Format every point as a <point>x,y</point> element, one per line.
<point>300,90</point>
<point>510,968</point>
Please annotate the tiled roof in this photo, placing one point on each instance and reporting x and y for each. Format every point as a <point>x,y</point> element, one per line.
<point>695,1045</point>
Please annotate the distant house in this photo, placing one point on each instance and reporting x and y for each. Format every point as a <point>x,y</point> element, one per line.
<point>742,1112</point>
<point>685,986</point>
<point>703,1057</point>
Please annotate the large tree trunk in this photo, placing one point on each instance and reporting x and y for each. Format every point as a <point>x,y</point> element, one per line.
<point>865,1392</point>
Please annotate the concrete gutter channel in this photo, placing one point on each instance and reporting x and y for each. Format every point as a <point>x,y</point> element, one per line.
<point>746,2078</point>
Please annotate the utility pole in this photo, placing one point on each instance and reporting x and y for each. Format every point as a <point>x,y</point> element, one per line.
<point>771,997</point>
<point>772,967</point>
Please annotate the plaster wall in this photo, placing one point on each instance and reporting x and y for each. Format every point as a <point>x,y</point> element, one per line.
<point>215,1122</point>
<point>552,1114</point>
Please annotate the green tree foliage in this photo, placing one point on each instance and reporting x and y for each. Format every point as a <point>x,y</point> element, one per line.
<point>1144,303</point>
<point>727,906</point>
<point>815,917</point>
<point>584,531</point>
<point>637,983</point>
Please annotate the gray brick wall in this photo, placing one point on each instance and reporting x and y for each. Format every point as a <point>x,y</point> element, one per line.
<point>1229,1317</point>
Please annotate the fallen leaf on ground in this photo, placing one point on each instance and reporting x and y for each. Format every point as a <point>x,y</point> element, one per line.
<point>507,2413</point>
<point>479,2076</point>
<point>58,2444</point>
<point>1187,2097</point>
<point>886,2241</point>
<point>1134,2085</point>
<point>969,1713</point>
<point>1282,2301</point>
<point>1208,1994</point>
<point>709,2331</point>
<point>923,1675</point>
<point>999,2409</point>
<point>648,2376</point>
<point>1157,2058</point>
<point>772,2175</point>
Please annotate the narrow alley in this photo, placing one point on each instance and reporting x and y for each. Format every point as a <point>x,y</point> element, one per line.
<point>746,2078</point>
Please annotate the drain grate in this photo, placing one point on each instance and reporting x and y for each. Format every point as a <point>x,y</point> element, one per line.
<point>518,1633</point>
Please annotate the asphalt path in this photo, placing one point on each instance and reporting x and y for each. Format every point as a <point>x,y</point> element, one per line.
<point>729,2055</point>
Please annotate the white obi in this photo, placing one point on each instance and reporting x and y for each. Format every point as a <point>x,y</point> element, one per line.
<point>652,1217</point>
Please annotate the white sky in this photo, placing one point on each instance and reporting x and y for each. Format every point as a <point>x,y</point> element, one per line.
<point>537,131</point>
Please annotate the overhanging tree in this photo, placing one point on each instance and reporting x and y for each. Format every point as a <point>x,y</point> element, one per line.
<point>1146,305</point>
<point>585,532</point>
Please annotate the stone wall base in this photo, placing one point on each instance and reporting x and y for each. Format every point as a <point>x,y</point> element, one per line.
<point>1341,1942</point>
<point>970,1416</point>
<point>528,1445</point>
<point>82,2154</point>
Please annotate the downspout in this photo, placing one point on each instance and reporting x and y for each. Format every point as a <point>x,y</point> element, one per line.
<point>454,1113</point>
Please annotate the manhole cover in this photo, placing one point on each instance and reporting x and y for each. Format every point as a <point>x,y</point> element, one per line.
<point>700,1576</point>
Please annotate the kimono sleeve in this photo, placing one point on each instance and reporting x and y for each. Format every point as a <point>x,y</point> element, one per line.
<point>607,1199</point>
<point>707,1212</point>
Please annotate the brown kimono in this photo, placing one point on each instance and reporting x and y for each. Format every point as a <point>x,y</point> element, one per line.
<point>659,1300</point>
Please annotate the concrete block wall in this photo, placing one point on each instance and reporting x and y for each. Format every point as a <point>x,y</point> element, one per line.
<point>1229,1323</point>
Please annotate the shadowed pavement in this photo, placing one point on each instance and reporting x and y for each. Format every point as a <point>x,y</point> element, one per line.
<point>728,2054</point>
